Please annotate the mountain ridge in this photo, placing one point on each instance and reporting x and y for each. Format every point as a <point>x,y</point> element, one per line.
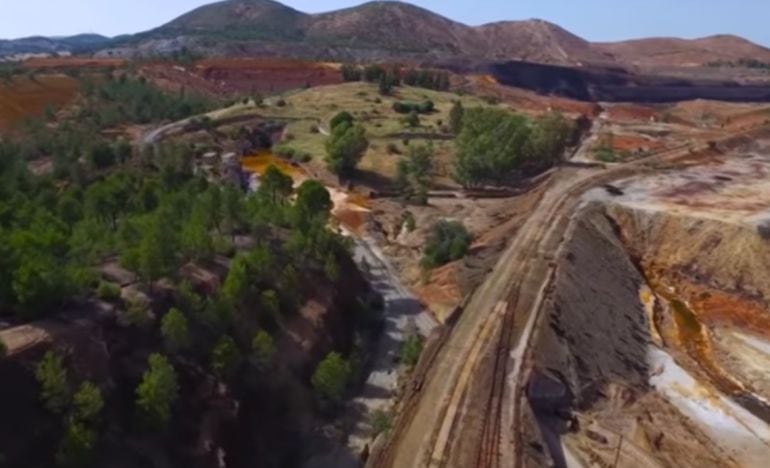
<point>381,30</point>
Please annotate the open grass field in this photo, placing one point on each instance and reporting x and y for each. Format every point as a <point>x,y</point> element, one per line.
<point>309,111</point>
<point>22,96</point>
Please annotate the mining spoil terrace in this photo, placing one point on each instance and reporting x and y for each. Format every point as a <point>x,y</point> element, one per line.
<point>657,332</point>
<point>551,353</point>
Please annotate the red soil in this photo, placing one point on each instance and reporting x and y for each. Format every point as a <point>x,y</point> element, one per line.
<point>228,77</point>
<point>23,97</point>
<point>631,113</point>
<point>635,143</point>
<point>267,75</point>
<point>528,102</point>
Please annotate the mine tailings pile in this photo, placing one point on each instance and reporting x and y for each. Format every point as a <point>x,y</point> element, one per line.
<point>619,85</point>
<point>657,341</point>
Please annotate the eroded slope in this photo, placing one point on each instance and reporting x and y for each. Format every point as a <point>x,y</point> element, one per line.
<point>659,329</point>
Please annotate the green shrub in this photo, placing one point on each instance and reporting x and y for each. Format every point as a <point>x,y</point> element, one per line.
<point>108,291</point>
<point>413,119</point>
<point>3,349</point>
<point>331,377</point>
<point>407,107</point>
<point>382,421</point>
<point>448,241</point>
<point>606,154</point>
<point>340,118</point>
<point>411,350</point>
<point>285,151</point>
<point>138,313</point>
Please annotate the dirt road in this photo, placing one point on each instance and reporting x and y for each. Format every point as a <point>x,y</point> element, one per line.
<point>403,315</point>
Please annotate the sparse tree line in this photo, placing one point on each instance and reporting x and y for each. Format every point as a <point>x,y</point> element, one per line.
<point>125,99</point>
<point>394,76</point>
<point>740,63</point>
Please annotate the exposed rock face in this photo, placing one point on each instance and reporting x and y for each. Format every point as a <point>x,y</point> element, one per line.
<point>659,325</point>
<point>619,85</point>
<point>599,331</point>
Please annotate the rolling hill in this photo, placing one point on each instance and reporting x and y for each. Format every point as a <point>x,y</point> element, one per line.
<point>51,45</point>
<point>387,30</point>
<point>683,52</point>
<point>539,41</point>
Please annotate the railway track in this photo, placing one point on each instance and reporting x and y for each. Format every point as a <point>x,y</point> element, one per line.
<point>488,455</point>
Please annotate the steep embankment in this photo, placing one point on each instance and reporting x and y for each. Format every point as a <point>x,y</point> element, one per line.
<point>658,325</point>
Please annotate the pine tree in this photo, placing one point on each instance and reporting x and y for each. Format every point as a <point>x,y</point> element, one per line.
<point>175,331</point>
<point>331,377</point>
<point>263,349</point>
<point>52,377</point>
<point>88,403</point>
<point>456,117</point>
<point>225,357</point>
<point>157,392</point>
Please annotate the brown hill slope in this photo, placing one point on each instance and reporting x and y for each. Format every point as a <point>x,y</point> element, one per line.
<point>228,14</point>
<point>538,41</point>
<point>392,30</point>
<point>394,26</point>
<point>684,52</point>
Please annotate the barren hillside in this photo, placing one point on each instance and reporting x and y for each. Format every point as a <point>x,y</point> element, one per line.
<point>539,41</point>
<point>684,52</point>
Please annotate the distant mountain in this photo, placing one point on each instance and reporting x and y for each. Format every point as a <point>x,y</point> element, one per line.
<point>384,30</point>
<point>541,42</point>
<point>684,52</point>
<point>381,29</point>
<point>52,45</point>
<point>392,26</point>
<point>246,19</point>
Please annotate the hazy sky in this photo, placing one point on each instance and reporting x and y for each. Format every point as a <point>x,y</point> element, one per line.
<point>598,20</point>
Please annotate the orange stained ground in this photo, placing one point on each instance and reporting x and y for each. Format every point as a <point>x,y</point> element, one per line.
<point>352,220</point>
<point>22,97</point>
<point>633,143</point>
<point>262,63</point>
<point>697,308</point>
<point>631,113</point>
<point>258,164</point>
